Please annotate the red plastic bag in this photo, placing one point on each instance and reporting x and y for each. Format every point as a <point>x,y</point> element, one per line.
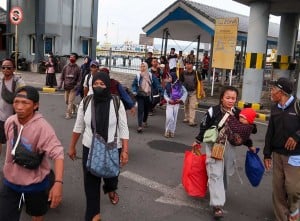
<point>194,175</point>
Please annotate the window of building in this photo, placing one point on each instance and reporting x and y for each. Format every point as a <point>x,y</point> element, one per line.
<point>2,37</point>
<point>32,44</point>
<point>48,45</point>
<point>13,43</point>
<point>85,47</point>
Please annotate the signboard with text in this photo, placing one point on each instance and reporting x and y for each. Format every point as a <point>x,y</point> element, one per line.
<point>225,43</point>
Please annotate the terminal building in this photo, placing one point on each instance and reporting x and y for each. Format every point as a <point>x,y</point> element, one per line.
<point>191,21</point>
<point>57,26</point>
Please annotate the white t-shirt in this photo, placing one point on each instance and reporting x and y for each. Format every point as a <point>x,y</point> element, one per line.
<point>88,84</point>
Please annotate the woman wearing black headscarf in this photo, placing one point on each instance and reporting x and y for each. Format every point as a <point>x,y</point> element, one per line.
<point>106,122</point>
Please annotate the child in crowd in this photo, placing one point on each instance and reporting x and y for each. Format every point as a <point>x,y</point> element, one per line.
<point>174,94</point>
<point>238,131</point>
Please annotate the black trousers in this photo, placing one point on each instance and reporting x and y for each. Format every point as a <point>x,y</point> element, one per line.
<point>92,187</point>
<point>143,108</point>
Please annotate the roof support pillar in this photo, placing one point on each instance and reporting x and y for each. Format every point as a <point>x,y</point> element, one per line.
<point>286,43</point>
<point>166,42</point>
<point>256,48</point>
<point>197,55</point>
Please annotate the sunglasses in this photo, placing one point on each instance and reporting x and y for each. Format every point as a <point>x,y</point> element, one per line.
<point>7,67</point>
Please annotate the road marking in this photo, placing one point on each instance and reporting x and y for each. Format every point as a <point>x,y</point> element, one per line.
<point>174,196</point>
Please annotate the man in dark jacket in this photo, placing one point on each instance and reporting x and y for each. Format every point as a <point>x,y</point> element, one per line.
<point>282,143</point>
<point>70,78</point>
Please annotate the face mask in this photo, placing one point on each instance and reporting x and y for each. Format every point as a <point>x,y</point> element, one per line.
<point>98,91</point>
<point>72,60</point>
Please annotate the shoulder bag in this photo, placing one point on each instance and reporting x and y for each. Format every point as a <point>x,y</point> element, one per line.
<point>103,159</point>
<point>211,134</point>
<point>21,155</point>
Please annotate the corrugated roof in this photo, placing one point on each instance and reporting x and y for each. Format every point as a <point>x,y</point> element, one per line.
<point>213,13</point>
<point>210,14</point>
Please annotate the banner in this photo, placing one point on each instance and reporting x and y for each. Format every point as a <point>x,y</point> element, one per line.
<point>225,43</point>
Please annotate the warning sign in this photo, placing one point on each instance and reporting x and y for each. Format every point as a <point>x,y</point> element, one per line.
<point>16,15</point>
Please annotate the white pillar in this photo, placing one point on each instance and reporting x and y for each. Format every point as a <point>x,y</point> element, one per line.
<point>286,43</point>
<point>256,48</point>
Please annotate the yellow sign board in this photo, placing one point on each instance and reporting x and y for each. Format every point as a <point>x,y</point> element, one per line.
<point>225,43</point>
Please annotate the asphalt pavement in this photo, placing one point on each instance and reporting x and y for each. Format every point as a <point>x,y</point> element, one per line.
<point>150,185</point>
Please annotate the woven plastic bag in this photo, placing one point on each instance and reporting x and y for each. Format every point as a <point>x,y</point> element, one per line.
<point>194,175</point>
<point>254,167</point>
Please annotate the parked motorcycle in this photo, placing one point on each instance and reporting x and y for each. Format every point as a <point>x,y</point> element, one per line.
<point>22,64</point>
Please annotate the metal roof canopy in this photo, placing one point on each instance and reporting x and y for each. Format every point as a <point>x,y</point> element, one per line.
<point>186,20</point>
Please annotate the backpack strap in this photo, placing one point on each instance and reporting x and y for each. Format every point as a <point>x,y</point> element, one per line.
<point>116,100</point>
<point>297,107</point>
<point>86,101</point>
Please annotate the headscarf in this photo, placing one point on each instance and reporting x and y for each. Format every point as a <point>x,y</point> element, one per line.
<point>146,82</point>
<point>102,97</point>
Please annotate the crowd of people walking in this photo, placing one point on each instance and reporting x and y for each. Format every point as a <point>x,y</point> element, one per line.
<point>101,118</point>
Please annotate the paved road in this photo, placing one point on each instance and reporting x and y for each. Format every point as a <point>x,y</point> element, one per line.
<point>150,185</point>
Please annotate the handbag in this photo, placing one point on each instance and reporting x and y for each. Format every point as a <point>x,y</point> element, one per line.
<point>254,167</point>
<point>211,134</point>
<point>21,155</point>
<point>217,151</point>
<point>194,175</point>
<point>103,158</point>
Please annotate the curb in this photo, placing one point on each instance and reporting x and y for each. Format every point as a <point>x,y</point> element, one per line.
<point>47,89</point>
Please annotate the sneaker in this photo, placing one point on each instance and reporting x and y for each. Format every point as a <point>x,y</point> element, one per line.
<point>145,124</point>
<point>150,113</point>
<point>171,135</point>
<point>68,116</point>
<point>185,121</point>
<point>139,130</point>
<point>167,134</point>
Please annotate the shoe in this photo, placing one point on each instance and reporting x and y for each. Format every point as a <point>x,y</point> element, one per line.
<point>139,130</point>
<point>172,135</point>
<point>68,116</point>
<point>167,134</point>
<point>150,114</point>
<point>145,124</point>
<point>192,124</point>
<point>113,197</point>
<point>218,212</point>
<point>185,121</point>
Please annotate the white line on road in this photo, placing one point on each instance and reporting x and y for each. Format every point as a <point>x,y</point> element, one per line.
<point>174,196</point>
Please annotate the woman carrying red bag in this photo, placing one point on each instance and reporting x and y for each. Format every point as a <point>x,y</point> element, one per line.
<point>219,170</point>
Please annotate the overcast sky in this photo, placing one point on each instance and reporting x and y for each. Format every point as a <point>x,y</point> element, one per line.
<point>123,20</point>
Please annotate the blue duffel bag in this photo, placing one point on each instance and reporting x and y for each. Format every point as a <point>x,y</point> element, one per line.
<point>254,167</point>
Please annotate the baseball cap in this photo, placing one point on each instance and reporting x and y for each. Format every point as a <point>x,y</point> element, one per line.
<point>283,84</point>
<point>95,63</point>
<point>31,93</point>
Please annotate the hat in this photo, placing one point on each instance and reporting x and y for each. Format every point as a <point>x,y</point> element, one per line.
<point>283,84</point>
<point>32,93</point>
<point>249,114</point>
<point>93,62</point>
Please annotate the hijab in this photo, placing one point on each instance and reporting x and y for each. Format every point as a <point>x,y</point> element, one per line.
<point>101,98</point>
<point>146,82</point>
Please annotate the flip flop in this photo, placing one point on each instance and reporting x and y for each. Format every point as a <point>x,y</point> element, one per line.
<point>113,197</point>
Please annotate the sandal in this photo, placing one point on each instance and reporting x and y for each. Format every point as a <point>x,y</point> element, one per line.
<point>113,197</point>
<point>218,212</point>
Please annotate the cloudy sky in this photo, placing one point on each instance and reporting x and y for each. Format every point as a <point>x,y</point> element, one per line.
<point>122,20</point>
